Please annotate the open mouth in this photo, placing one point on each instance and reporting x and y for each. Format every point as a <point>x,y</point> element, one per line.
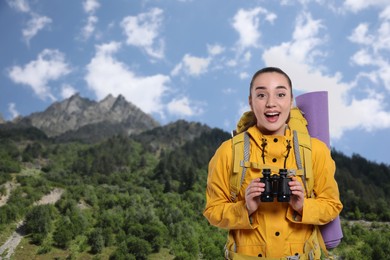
<point>272,116</point>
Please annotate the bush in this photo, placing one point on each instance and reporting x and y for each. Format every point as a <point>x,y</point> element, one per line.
<point>39,222</point>
<point>96,241</point>
<point>140,248</point>
<point>62,236</point>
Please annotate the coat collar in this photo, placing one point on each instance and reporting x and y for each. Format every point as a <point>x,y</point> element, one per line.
<point>257,136</point>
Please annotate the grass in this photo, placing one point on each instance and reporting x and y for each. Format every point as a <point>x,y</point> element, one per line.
<point>6,231</point>
<point>162,255</point>
<point>26,250</point>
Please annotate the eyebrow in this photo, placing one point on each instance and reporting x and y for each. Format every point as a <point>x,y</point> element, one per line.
<point>278,87</point>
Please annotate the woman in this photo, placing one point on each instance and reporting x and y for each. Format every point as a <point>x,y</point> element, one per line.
<point>271,229</point>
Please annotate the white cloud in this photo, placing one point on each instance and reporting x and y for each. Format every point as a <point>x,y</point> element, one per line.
<point>107,75</point>
<point>345,110</point>
<point>12,110</point>
<point>385,14</point>
<point>67,91</point>
<point>359,5</point>
<point>183,107</point>
<point>34,25</point>
<point>90,27</point>
<point>360,36</point>
<point>305,45</point>
<point>50,65</point>
<point>306,39</point>
<point>231,63</point>
<point>374,43</point>
<point>247,56</point>
<point>383,37</point>
<point>143,30</point>
<point>362,58</point>
<point>215,49</point>
<point>270,17</point>
<point>247,23</point>
<point>243,75</point>
<point>90,7</point>
<point>192,65</point>
<point>229,91</point>
<point>384,74</point>
<point>19,5</point>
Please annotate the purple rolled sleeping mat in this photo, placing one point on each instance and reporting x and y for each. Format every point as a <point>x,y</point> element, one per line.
<point>314,105</point>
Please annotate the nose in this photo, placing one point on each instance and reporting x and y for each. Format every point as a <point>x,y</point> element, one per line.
<point>270,102</point>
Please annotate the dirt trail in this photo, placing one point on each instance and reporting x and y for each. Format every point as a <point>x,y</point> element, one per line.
<point>51,198</point>
<point>13,241</point>
<point>8,248</point>
<point>9,187</point>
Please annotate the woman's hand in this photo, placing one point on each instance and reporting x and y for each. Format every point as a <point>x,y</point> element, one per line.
<point>296,201</point>
<point>252,193</point>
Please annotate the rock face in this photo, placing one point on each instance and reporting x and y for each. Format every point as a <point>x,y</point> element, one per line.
<point>77,116</point>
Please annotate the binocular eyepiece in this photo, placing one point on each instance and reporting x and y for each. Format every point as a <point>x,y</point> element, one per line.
<point>275,186</point>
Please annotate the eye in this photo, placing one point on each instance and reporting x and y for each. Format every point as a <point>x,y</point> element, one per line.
<point>281,94</point>
<point>260,95</point>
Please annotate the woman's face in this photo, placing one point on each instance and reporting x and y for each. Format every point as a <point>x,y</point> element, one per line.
<point>271,100</point>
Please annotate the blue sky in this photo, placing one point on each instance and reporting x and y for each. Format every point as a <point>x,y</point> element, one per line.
<point>193,60</point>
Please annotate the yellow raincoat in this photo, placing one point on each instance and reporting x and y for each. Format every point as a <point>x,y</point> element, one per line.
<point>274,230</point>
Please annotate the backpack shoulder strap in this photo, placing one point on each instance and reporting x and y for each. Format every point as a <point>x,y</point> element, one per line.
<point>240,148</point>
<point>302,148</point>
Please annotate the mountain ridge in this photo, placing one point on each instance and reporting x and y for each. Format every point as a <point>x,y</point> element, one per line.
<point>78,116</point>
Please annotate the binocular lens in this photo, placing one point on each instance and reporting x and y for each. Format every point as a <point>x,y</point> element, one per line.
<point>275,186</point>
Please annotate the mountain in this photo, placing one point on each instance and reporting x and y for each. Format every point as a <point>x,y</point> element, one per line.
<point>78,118</point>
<point>171,136</point>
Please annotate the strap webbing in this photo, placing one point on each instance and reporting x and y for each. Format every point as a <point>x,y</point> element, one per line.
<point>298,159</point>
<point>246,156</point>
<point>238,165</point>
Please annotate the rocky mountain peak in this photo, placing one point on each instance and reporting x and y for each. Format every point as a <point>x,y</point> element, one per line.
<point>74,104</point>
<point>107,102</point>
<point>76,113</point>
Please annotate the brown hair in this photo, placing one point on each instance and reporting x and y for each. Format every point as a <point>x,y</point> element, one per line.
<point>267,70</point>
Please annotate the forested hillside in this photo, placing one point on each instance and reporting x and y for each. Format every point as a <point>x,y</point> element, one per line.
<point>142,196</point>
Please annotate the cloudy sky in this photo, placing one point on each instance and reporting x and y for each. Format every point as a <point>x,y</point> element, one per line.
<point>193,59</point>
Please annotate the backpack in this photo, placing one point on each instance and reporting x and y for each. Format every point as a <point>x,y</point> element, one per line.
<point>302,150</point>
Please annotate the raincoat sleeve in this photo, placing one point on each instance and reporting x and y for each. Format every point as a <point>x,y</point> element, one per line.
<point>326,204</point>
<point>219,210</point>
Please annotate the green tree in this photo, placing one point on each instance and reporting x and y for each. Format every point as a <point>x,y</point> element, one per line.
<point>32,151</point>
<point>78,221</point>
<point>139,247</point>
<point>62,235</point>
<point>121,253</point>
<point>96,241</point>
<point>39,222</point>
<point>155,233</point>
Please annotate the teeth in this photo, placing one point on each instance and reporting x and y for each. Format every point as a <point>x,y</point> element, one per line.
<point>272,114</point>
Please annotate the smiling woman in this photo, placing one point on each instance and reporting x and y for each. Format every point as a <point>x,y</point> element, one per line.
<point>288,228</point>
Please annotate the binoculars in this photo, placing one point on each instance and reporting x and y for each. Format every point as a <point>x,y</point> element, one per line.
<point>275,186</point>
